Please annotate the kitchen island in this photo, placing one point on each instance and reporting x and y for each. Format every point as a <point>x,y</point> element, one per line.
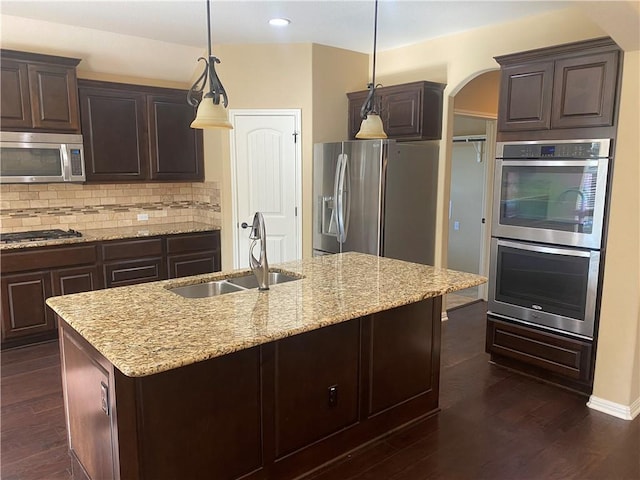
<point>250,384</point>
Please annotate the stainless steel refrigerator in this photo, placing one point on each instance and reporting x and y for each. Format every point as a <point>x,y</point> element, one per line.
<point>375,196</point>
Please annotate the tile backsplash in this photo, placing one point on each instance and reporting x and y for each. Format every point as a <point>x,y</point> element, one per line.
<point>77,206</point>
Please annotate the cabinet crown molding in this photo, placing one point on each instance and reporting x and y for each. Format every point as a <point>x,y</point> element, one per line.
<point>569,49</point>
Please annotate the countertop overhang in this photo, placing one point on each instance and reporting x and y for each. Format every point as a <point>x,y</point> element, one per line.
<point>146,329</point>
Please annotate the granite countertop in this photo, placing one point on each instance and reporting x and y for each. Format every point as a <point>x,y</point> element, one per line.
<point>146,329</point>
<point>115,233</point>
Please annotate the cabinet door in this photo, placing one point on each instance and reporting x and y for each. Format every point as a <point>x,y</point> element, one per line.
<point>405,339</point>
<point>14,91</point>
<point>584,91</point>
<point>401,112</point>
<point>316,388</point>
<point>24,311</point>
<point>113,126</point>
<point>525,97</point>
<point>54,98</point>
<point>75,280</point>
<point>175,147</point>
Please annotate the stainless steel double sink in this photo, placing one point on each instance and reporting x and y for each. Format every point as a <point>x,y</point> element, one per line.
<point>230,285</point>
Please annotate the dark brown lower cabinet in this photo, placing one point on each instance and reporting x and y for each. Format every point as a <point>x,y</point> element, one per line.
<point>554,358</point>
<point>31,275</point>
<point>272,411</point>
<point>24,312</point>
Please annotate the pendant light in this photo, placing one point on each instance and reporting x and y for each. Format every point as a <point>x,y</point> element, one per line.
<point>211,112</point>
<point>371,126</point>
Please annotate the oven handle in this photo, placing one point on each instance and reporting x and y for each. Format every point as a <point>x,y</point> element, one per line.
<point>593,162</point>
<point>543,249</point>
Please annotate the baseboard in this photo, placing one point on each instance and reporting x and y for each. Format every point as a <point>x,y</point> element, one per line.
<point>615,409</point>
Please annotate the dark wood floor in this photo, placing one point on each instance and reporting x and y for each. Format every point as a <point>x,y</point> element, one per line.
<point>494,424</point>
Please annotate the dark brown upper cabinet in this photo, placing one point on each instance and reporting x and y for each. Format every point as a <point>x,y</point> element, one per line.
<point>114,134</point>
<point>39,92</point>
<point>411,111</point>
<point>175,147</point>
<point>138,133</point>
<point>571,86</point>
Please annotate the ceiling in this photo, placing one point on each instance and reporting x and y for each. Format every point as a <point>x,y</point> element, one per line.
<point>338,23</point>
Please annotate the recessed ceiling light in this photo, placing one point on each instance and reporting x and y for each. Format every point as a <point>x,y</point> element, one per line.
<point>279,22</point>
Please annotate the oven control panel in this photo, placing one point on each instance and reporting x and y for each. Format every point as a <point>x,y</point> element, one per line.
<point>575,149</point>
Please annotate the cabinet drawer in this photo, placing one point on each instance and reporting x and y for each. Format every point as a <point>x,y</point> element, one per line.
<point>130,273</point>
<point>132,249</point>
<point>564,356</point>
<point>193,243</point>
<point>25,260</point>
<point>193,264</point>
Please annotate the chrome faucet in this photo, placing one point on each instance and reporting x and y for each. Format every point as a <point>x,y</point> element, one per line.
<point>260,268</point>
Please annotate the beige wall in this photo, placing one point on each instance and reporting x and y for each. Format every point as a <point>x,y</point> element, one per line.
<point>479,97</point>
<point>258,77</point>
<point>105,56</point>
<point>617,365</point>
<point>313,78</point>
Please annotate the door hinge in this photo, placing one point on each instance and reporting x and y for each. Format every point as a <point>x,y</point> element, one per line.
<point>295,137</point>
<point>295,211</point>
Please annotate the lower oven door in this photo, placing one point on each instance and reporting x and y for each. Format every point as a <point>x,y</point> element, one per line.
<point>550,287</point>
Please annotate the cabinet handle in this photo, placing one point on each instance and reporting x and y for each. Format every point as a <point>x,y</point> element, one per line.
<point>104,398</point>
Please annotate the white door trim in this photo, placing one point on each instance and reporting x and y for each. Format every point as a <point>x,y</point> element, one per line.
<point>297,114</point>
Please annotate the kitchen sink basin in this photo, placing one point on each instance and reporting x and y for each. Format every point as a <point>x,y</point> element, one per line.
<point>229,285</point>
<point>209,289</point>
<point>250,281</point>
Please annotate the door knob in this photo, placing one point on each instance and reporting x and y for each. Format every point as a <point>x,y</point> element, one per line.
<point>244,225</point>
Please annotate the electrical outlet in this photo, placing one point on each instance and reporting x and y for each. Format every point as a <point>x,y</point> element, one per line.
<point>333,395</point>
<point>143,216</point>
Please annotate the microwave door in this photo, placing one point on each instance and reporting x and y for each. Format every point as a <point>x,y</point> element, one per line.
<point>21,163</point>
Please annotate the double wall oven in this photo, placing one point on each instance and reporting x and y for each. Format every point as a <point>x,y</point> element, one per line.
<point>548,233</point>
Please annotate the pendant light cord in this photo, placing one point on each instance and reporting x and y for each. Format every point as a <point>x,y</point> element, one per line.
<point>375,38</point>
<point>209,26</point>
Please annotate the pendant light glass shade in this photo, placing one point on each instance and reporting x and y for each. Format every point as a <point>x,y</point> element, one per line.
<point>212,112</point>
<point>371,127</point>
<point>211,115</point>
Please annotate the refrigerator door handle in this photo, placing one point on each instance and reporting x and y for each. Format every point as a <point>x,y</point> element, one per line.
<point>345,186</point>
<point>337,207</point>
<point>340,174</point>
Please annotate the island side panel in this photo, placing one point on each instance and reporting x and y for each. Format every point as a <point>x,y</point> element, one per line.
<point>89,407</point>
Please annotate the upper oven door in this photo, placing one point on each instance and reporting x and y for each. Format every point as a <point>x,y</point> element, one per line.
<point>559,202</point>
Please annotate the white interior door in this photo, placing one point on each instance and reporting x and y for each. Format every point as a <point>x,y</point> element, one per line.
<point>266,170</point>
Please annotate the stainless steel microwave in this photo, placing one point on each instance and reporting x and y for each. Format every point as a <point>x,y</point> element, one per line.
<point>27,157</point>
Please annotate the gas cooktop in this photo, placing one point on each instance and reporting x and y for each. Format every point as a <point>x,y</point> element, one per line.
<point>38,235</point>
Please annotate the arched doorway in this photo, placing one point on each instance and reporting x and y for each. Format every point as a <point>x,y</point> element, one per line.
<point>475,112</point>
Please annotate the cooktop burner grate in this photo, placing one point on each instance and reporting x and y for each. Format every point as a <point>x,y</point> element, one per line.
<point>38,235</point>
